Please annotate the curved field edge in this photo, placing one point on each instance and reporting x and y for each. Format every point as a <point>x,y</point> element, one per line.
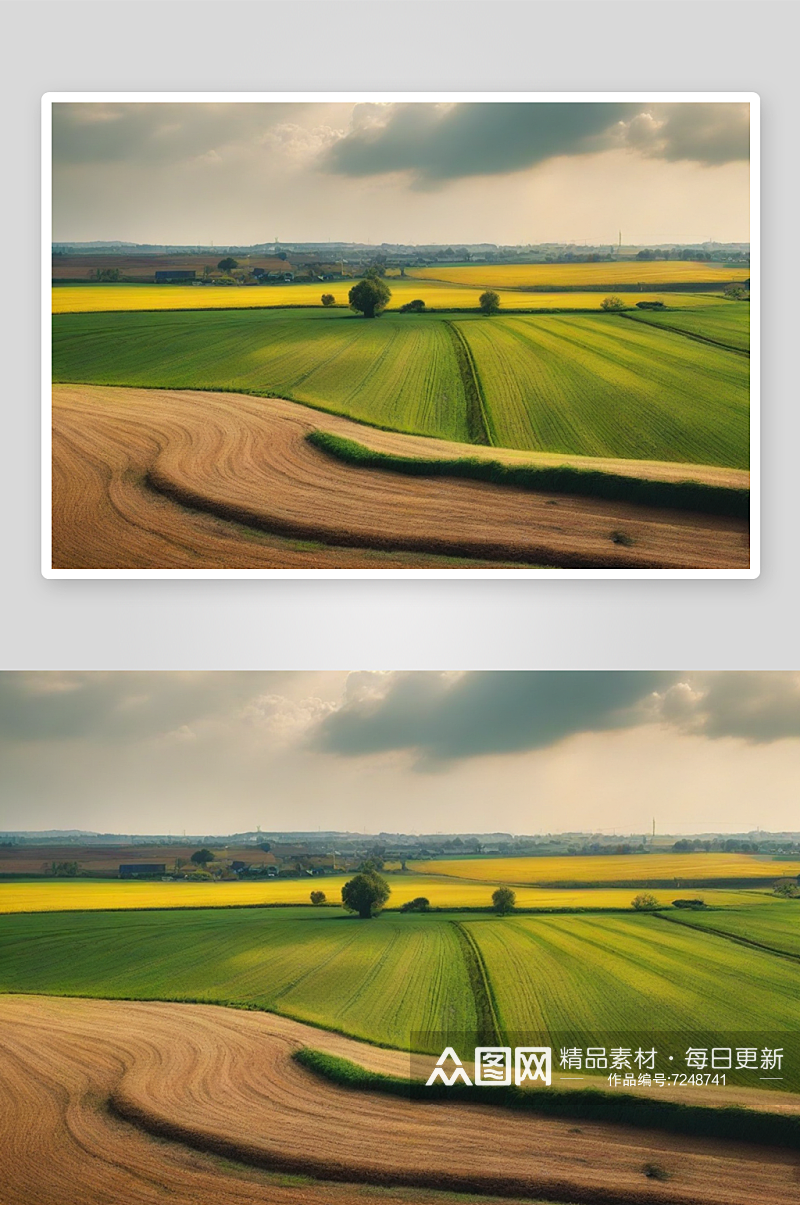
<point>252,517</point>
<point>561,479</point>
<point>585,385</point>
<point>730,1122</point>
<point>320,1168</point>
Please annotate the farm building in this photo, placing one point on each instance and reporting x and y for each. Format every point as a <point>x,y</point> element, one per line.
<point>173,275</point>
<point>139,870</point>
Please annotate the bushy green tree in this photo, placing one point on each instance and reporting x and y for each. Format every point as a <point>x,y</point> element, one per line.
<point>644,902</point>
<point>317,897</point>
<point>201,857</point>
<point>612,303</point>
<point>370,296</point>
<point>365,894</point>
<point>228,264</point>
<point>328,299</point>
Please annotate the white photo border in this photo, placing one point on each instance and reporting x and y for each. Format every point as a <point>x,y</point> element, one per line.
<point>750,98</point>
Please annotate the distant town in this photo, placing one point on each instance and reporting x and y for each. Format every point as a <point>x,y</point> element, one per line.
<point>279,262</point>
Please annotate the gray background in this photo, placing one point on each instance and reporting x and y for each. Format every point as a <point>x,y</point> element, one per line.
<point>395,45</point>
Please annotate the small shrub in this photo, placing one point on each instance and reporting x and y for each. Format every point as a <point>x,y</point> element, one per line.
<point>503,900</point>
<point>489,302</point>
<point>619,537</point>
<point>612,303</point>
<point>420,904</point>
<point>654,1171</point>
<point>644,902</point>
<point>328,299</point>
<point>788,889</point>
<point>317,897</point>
<point>688,904</point>
<point>413,307</point>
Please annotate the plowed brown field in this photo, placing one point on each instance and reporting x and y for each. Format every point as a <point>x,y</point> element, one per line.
<point>185,479</point>
<point>87,1085</point>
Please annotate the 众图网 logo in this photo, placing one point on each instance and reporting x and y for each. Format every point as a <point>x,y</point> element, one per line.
<point>494,1066</point>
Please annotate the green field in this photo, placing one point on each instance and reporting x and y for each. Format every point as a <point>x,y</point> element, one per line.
<point>727,324</point>
<point>580,384</point>
<point>386,979</point>
<point>603,386</point>
<point>777,929</point>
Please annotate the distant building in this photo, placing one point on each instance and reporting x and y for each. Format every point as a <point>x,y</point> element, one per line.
<point>171,275</point>
<point>140,870</point>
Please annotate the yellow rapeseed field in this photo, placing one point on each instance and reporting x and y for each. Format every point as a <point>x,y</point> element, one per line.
<point>612,868</point>
<point>64,895</point>
<point>92,298</point>
<point>521,276</point>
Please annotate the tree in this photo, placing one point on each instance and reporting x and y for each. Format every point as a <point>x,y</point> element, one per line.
<point>612,303</point>
<point>644,902</point>
<point>370,296</point>
<point>503,900</point>
<point>420,904</point>
<point>202,857</point>
<point>328,299</point>
<point>736,293</point>
<point>317,897</point>
<point>365,894</point>
<point>489,302</point>
<point>228,264</point>
<point>413,307</point>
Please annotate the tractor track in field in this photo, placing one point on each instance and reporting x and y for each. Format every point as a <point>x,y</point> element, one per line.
<point>161,479</point>
<point>137,1102</point>
<point>734,937</point>
<point>676,330</point>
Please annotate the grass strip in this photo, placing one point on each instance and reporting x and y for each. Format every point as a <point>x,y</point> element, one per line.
<point>479,981</point>
<point>559,479</point>
<point>477,425</point>
<point>729,1122</point>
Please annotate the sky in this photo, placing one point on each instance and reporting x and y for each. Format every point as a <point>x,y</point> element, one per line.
<point>411,172</point>
<point>520,752</point>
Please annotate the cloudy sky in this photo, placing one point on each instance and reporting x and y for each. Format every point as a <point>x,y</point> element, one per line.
<point>523,752</point>
<point>241,173</point>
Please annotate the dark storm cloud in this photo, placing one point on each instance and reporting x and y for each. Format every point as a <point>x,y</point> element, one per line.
<point>711,134</point>
<point>118,706</point>
<point>757,707</point>
<point>447,142</point>
<point>480,713</point>
<point>444,718</point>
